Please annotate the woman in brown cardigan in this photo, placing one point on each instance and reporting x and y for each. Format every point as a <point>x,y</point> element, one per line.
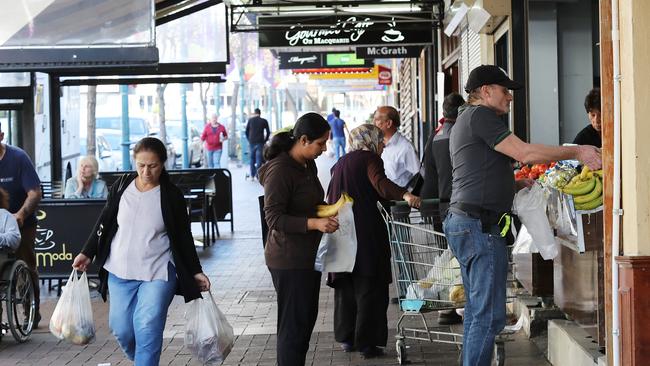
<point>361,297</point>
<point>291,193</point>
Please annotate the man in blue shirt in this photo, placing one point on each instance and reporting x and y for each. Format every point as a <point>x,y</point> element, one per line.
<point>18,177</point>
<point>337,134</point>
<point>331,116</point>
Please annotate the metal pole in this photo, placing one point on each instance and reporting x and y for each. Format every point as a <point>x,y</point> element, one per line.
<point>126,135</point>
<point>186,152</point>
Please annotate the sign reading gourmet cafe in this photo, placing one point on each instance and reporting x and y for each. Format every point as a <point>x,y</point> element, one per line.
<point>353,30</point>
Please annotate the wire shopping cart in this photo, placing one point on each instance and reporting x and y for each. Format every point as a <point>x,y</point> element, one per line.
<point>425,272</point>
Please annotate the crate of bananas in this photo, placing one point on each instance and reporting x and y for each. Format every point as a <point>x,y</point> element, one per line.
<point>586,189</point>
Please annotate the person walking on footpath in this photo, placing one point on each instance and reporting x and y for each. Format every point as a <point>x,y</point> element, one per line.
<point>257,133</point>
<point>19,178</point>
<point>292,191</point>
<point>437,170</point>
<point>361,297</point>
<point>145,252</point>
<point>338,134</point>
<point>483,189</point>
<point>214,134</point>
<point>400,160</point>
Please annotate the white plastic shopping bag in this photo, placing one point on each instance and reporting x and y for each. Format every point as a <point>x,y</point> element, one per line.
<point>530,205</point>
<point>208,335</point>
<point>337,251</point>
<point>524,242</point>
<point>72,318</point>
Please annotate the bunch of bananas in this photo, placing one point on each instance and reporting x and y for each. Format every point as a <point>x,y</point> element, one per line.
<point>586,189</point>
<point>333,210</point>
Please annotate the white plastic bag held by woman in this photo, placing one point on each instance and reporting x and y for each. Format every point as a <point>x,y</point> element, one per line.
<point>208,335</point>
<point>530,206</point>
<point>337,251</point>
<point>72,318</point>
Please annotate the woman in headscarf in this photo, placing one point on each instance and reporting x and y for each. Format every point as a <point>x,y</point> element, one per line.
<point>361,297</point>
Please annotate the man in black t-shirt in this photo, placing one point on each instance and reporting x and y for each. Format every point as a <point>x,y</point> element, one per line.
<point>591,135</point>
<point>257,133</point>
<point>483,187</point>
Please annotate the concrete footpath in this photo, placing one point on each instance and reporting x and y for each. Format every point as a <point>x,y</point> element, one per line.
<point>243,290</point>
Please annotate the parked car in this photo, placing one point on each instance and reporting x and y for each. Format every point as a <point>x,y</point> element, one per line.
<point>195,145</point>
<point>114,138</point>
<point>106,158</point>
<point>138,127</point>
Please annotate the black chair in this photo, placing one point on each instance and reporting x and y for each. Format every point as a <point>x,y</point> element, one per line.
<point>220,196</point>
<point>53,189</point>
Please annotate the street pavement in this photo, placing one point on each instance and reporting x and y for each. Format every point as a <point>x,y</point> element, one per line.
<point>242,287</point>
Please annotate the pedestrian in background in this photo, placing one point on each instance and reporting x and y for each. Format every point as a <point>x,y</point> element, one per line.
<point>292,191</point>
<point>257,133</point>
<point>19,178</point>
<point>86,184</point>
<point>361,297</point>
<point>591,135</point>
<point>400,159</point>
<point>145,252</point>
<point>214,134</point>
<point>483,188</point>
<point>337,134</point>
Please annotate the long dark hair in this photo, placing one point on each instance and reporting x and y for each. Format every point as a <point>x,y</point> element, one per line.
<point>311,124</point>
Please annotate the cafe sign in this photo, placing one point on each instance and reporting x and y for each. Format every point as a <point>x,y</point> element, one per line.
<point>347,31</point>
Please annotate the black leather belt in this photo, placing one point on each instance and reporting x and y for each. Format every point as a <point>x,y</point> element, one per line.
<point>488,218</point>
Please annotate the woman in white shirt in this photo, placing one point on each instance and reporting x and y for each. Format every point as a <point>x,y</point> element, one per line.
<point>143,245</point>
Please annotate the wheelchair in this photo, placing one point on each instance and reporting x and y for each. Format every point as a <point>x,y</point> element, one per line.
<point>17,294</point>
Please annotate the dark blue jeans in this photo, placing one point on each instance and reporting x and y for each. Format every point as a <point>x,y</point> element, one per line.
<point>256,158</point>
<point>484,265</point>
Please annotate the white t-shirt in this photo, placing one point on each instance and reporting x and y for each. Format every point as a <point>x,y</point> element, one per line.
<point>9,231</point>
<point>140,249</point>
<point>400,160</point>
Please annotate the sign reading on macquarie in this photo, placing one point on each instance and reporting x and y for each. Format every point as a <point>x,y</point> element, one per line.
<point>318,60</point>
<point>353,30</point>
<point>388,51</point>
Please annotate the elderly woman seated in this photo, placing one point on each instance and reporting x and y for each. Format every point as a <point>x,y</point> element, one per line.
<point>86,184</point>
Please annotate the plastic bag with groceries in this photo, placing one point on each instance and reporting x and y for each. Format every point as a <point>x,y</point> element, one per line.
<point>72,318</point>
<point>208,335</point>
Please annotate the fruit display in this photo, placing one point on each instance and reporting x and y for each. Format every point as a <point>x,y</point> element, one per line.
<point>586,189</point>
<point>532,172</point>
<point>332,210</point>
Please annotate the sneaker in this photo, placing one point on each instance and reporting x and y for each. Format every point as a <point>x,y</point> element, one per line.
<point>347,347</point>
<point>372,351</point>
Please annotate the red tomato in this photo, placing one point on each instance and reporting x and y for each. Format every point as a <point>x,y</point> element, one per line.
<point>525,169</point>
<point>533,175</point>
<point>552,164</point>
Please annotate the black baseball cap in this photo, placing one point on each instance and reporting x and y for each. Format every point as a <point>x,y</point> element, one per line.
<point>489,74</point>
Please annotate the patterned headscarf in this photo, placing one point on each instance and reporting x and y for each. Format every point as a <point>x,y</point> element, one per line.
<point>366,137</point>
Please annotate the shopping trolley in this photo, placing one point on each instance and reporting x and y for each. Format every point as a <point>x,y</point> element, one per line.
<point>424,274</point>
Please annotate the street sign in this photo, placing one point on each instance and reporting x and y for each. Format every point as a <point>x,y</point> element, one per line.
<point>389,52</point>
<point>353,30</point>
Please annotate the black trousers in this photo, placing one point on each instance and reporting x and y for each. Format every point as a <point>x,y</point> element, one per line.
<point>360,310</point>
<point>297,291</point>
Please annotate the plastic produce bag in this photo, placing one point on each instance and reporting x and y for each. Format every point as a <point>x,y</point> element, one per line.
<point>530,206</point>
<point>524,242</point>
<point>72,318</point>
<point>208,335</point>
<point>337,251</point>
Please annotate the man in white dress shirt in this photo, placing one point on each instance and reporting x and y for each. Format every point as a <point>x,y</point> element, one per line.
<point>401,162</point>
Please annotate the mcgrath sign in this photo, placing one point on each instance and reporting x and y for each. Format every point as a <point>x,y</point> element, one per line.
<point>389,52</point>
<point>346,31</point>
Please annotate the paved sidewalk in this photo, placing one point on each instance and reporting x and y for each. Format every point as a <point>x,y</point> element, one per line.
<point>243,289</point>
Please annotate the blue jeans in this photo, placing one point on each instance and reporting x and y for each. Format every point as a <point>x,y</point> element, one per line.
<point>214,159</point>
<point>484,265</point>
<point>256,158</point>
<point>137,314</point>
<point>339,142</point>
